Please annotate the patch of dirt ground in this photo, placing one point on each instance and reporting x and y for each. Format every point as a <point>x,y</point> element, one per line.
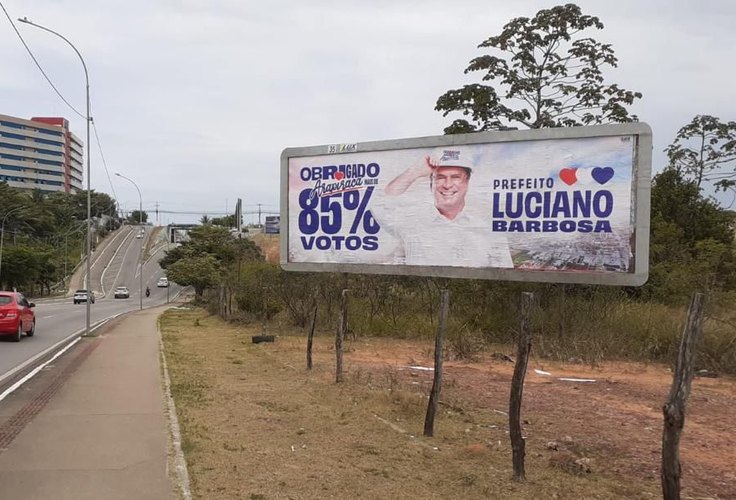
<point>257,424</point>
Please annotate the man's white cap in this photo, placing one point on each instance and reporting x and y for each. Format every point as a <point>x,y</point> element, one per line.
<point>451,157</point>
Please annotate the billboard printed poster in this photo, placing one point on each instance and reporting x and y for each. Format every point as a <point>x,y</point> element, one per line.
<point>522,208</point>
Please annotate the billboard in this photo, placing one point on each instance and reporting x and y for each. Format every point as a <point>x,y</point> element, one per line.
<point>273,224</point>
<point>567,205</point>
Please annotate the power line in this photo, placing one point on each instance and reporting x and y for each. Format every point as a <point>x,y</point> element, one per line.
<point>104,163</point>
<point>39,65</point>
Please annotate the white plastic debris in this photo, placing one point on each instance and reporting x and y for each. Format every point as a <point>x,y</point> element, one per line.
<point>542,372</point>
<point>566,379</point>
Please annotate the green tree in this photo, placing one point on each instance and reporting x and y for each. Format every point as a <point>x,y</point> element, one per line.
<point>215,241</point>
<point>691,243</point>
<point>136,216</point>
<point>200,272</point>
<point>542,72</point>
<point>226,221</point>
<point>703,148</point>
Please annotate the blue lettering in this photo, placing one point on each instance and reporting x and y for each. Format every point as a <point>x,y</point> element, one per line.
<point>323,242</point>
<point>328,171</point>
<point>352,243</point>
<point>307,243</point>
<point>561,205</point>
<point>516,226</point>
<point>373,169</point>
<point>370,243</point>
<point>602,226</point>
<point>597,202</point>
<point>510,212</point>
<point>497,213</point>
<point>581,204</point>
<point>533,212</point>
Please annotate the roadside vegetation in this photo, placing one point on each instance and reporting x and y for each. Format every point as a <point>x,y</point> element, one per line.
<point>44,236</point>
<point>256,424</point>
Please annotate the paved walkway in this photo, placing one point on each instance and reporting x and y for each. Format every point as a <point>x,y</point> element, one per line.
<point>100,429</point>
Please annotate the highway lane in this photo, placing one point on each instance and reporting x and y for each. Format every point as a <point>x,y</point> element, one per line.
<point>58,320</point>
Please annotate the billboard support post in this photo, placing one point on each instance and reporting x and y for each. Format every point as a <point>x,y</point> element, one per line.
<point>340,335</point>
<point>674,408</point>
<point>524,345</point>
<point>434,395</point>
<point>310,337</point>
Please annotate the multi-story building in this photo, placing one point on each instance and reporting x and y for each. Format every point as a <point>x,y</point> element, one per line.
<point>40,153</point>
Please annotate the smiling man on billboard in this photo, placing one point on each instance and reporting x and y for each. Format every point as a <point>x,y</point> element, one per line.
<point>447,235</point>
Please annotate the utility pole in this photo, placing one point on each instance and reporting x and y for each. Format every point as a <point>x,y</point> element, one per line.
<point>259,215</point>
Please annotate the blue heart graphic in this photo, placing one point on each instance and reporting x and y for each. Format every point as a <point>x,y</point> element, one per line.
<point>602,174</point>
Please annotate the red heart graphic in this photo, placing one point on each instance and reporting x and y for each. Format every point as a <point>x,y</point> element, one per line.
<point>339,175</point>
<point>569,176</point>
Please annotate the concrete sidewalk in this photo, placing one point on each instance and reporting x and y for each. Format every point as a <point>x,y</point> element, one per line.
<point>101,429</point>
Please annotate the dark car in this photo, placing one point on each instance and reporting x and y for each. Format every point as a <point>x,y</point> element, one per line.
<point>16,316</point>
<point>84,295</point>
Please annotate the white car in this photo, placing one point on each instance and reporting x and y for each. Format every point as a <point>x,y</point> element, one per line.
<point>122,292</point>
<point>163,282</point>
<point>82,296</point>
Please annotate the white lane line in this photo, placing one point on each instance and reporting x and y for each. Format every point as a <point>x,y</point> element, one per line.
<point>104,271</point>
<point>10,390</point>
<point>41,354</point>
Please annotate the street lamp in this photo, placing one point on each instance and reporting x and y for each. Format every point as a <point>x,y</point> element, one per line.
<point>88,119</point>
<point>2,236</point>
<point>140,221</point>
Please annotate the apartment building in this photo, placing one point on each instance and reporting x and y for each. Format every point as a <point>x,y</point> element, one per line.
<point>40,153</point>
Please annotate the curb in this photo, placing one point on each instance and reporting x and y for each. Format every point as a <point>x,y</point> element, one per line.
<point>176,461</point>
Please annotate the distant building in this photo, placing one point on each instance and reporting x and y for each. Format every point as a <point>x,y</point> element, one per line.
<point>40,153</point>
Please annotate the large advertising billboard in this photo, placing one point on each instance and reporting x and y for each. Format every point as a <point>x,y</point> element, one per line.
<point>564,205</point>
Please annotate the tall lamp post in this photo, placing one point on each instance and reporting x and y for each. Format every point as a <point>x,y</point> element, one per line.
<point>2,236</point>
<point>88,119</point>
<point>140,221</point>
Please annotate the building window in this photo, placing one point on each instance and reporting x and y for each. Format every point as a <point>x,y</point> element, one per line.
<point>50,132</point>
<point>11,124</point>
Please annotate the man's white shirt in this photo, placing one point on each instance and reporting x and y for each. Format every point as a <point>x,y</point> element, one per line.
<point>427,238</point>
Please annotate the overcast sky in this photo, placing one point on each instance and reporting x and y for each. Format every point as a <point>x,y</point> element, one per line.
<point>195,99</point>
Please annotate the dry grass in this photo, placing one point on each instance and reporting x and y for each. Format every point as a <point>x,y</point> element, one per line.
<point>257,425</point>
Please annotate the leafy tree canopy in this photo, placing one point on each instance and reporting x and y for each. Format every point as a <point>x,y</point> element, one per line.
<point>705,150</point>
<point>136,217</point>
<point>542,72</point>
<point>215,241</point>
<point>200,272</point>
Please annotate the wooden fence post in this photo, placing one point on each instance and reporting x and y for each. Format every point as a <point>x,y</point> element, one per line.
<point>434,395</point>
<point>524,345</point>
<point>341,329</point>
<point>674,408</point>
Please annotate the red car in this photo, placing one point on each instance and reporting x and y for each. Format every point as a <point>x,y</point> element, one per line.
<point>16,315</point>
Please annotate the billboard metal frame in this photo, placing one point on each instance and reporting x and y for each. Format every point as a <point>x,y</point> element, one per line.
<point>641,188</point>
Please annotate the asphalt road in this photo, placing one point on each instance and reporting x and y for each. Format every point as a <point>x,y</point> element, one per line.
<point>60,320</point>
